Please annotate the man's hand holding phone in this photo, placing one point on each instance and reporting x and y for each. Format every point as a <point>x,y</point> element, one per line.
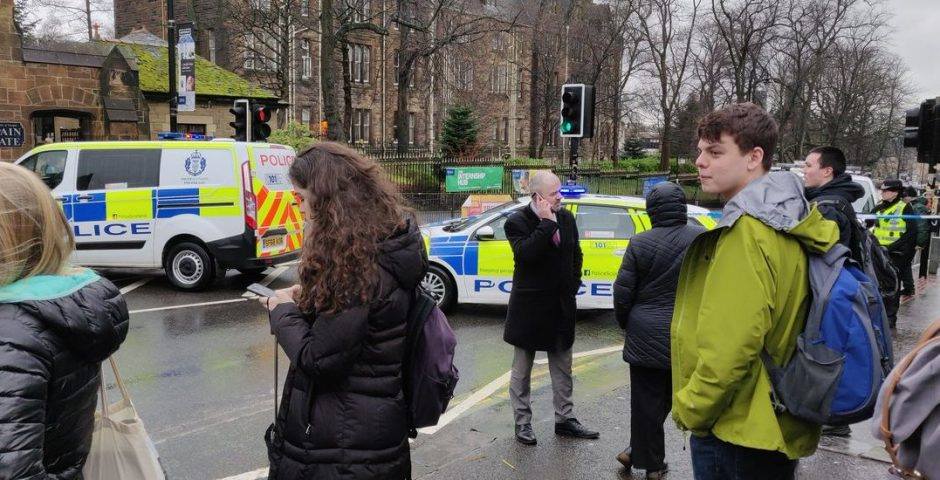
<point>542,207</point>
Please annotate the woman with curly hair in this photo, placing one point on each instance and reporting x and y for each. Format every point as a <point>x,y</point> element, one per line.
<point>343,328</point>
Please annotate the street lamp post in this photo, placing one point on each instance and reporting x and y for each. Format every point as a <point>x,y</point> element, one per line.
<point>171,58</point>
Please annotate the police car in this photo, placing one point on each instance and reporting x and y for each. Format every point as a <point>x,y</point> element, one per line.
<point>471,260</point>
<point>194,208</point>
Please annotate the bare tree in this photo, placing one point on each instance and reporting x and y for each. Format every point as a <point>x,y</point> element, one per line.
<point>71,18</point>
<point>428,26</point>
<point>747,27</point>
<point>668,33</point>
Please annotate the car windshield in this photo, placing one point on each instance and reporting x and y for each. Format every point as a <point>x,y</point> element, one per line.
<point>461,223</point>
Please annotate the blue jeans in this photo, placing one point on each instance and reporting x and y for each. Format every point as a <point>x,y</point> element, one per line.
<point>714,459</point>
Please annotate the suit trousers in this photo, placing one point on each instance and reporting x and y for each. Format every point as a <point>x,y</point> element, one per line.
<point>559,368</point>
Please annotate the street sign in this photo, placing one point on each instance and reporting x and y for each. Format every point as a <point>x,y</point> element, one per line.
<point>470,179</point>
<point>11,134</point>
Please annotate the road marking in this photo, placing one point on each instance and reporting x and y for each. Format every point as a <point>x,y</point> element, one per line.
<point>188,305</point>
<point>253,475</point>
<point>134,286</point>
<point>271,277</point>
<point>452,414</point>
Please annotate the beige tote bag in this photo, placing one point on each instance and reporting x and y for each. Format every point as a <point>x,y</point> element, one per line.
<point>120,446</point>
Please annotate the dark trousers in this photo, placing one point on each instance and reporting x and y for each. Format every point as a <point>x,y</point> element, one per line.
<point>905,270</point>
<point>922,272</point>
<point>650,402</point>
<point>713,459</point>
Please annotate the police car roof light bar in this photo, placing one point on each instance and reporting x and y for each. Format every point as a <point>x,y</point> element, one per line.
<point>572,190</point>
<point>182,136</point>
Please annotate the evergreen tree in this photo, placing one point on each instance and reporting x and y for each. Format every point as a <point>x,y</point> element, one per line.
<point>632,148</point>
<point>459,136</point>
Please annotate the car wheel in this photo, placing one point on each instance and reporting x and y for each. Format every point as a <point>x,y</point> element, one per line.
<point>189,266</point>
<point>438,283</point>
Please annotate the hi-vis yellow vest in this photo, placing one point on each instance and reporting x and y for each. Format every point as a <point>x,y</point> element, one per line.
<point>889,230</point>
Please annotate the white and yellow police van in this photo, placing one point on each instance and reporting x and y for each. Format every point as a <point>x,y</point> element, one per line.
<point>471,259</point>
<point>194,208</point>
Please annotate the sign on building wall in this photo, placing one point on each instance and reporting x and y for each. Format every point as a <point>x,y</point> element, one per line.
<point>470,179</point>
<point>11,134</point>
<point>186,57</point>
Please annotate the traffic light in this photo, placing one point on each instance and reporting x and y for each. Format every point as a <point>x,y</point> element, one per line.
<point>921,131</point>
<point>242,123</point>
<point>260,130</point>
<point>577,110</point>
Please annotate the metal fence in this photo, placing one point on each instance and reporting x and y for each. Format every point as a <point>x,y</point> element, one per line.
<point>421,179</point>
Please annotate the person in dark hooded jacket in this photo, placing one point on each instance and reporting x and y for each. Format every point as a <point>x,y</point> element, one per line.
<point>644,297</point>
<point>57,324</point>
<point>833,190</point>
<point>343,413</point>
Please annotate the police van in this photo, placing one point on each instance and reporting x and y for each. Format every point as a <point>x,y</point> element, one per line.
<point>471,259</point>
<point>193,208</point>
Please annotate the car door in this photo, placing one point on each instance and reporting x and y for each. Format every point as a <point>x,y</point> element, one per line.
<point>52,166</point>
<point>488,263</point>
<point>113,206</point>
<point>605,232</point>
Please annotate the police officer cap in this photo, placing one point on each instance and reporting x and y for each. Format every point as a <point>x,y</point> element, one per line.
<point>892,184</point>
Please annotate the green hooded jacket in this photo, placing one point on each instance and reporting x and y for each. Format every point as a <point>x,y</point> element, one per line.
<point>743,287</point>
<point>919,206</point>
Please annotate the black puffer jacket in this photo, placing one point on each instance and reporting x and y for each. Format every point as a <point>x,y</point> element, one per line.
<point>342,413</point>
<point>839,189</point>
<point>50,354</point>
<point>645,289</point>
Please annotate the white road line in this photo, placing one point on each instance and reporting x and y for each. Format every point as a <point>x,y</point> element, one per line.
<point>259,473</point>
<point>188,305</point>
<point>135,285</point>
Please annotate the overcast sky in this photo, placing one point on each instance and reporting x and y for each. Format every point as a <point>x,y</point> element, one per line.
<point>916,39</point>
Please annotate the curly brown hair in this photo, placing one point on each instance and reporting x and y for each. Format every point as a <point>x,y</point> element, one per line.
<point>351,208</point>
<point>749,124</point>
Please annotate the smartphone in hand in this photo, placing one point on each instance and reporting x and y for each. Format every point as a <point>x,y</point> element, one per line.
<point>260,290</point>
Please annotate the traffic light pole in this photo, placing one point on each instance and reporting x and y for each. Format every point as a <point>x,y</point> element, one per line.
<point>171,58</point>
<point>573,160</point>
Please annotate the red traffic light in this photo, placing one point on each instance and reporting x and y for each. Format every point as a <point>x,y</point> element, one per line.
<point>262,114</point>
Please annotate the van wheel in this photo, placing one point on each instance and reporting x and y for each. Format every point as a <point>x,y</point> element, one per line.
<point>441,287</point>
<point>189,267</point>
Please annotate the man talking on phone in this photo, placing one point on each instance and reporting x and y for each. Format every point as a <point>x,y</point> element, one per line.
<point>542,306</point>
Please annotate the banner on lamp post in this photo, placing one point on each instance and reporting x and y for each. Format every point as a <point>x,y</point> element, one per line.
<point>186,59</point>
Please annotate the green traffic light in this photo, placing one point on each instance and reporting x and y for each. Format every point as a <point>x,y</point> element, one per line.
<point>567,127</point>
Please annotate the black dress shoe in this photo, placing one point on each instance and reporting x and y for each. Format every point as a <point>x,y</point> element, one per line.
<point>573,428</point>
<point>658,474</point>
<point>524,434</point>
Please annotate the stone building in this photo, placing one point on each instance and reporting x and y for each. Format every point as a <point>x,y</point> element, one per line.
<point>491,74</point>
<point>102,90</point>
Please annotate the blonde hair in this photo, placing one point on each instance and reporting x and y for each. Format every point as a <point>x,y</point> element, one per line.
<point>35,238</point>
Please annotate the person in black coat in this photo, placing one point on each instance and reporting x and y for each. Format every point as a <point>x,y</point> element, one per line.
<point>57,323</point>
<point>342,414</point>
<point>542,304</point>
<point>833,190</point>
<point>644,298</point>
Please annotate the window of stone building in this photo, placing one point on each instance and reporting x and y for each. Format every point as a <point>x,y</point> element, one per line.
<point>465,75</point>
<point>305,7</point>
<point>305,60</point>
<point>361,128</point>
<point>363,11</point>
<point>359,63</point>
<point>489,3</point>
<point>506,130</point>
<point>261,4</point>
<point>305,116</point>
<point>414,73</point>
<point>197,128</point>
<point>520,132</point>
<point>411,129</point>
<point>212,47</point>
<point>499,78</point>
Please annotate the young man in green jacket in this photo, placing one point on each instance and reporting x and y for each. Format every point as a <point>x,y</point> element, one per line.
<point>743,288</point>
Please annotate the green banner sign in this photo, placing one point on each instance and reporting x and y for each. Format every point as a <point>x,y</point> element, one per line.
<point>472,179</point>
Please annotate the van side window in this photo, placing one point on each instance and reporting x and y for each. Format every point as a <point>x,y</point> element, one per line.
<point>118,169</point>
<point>50,166</point>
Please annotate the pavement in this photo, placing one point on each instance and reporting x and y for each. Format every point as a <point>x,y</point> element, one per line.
<point>200,369</point>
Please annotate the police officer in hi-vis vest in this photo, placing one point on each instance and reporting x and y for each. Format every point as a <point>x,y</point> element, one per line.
<point>896,234</point>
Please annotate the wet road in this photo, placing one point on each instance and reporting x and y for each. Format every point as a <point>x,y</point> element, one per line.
<point>200,368</point>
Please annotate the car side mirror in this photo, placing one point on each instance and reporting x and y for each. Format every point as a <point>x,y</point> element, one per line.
<point>485,233</point>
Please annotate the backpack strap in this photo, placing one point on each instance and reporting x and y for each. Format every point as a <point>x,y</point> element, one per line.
<point>929,337</point>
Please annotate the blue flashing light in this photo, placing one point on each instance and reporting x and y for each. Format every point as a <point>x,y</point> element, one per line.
<point>182,136</point>
<point>573,191</point>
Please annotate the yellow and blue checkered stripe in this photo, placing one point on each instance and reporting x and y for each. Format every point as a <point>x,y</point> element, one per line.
<point>146,204</point>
